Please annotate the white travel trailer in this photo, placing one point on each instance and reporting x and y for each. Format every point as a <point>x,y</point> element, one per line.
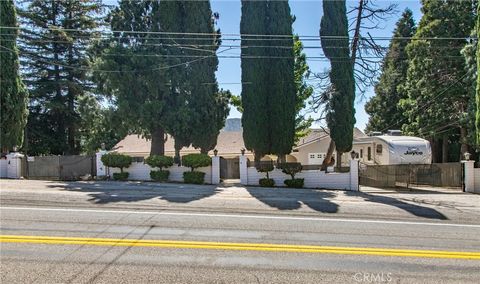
<point>393,149</point>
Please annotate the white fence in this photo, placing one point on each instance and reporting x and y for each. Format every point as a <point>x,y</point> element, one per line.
<point>141,171</point>
<point>312,179</point>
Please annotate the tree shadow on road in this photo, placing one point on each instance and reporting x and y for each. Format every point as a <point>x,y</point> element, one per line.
<point>291,199</point>
<point>414,209</point>
<point>111,192</point>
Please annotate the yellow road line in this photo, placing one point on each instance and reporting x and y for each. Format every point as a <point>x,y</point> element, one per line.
<point>237,246</point>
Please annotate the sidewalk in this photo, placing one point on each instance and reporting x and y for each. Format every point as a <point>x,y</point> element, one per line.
<point>374,204</point>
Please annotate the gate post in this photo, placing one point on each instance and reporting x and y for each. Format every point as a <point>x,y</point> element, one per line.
<point>101,169</point>
<point>469,178</point>
<point>14,165</point>
<point>354,175</point>
<point>215,170</point>
<point>243,170</point>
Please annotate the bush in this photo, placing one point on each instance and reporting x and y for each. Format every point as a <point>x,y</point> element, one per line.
<point>294,183</point>
<point>157,161</point>
<point>291,169</point>
<point>159,175</point>
<point>116,160</point>
<point>266,182</point>
<point>264,167</point>
<point>120,176</point>
<point>194,177</point>
<point>194,161</point>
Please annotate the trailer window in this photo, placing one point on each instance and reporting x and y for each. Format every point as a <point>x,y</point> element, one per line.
<point>379,149</point>
<point>369,153</point>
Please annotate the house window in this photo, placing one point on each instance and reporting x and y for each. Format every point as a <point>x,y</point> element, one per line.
<point>138,159</point>
<point>361,153</point>
<point>369,153</point>
<point>379,149</point>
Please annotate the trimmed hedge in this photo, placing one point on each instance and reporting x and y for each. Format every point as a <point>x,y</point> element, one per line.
<point>294,183</point>
<point>194,177</point>
<point>157,161</point>
<point>116,160</point>
<point>291,169</point>
<point>123,176</point>
<point>159,175</point>
<point>194,161</point>
<point>264,167</point>
<point>266,182</point>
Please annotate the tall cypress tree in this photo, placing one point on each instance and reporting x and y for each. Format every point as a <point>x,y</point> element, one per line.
<point>138,82</point>
<point>477,124</point>
<point>335,44</point>
<point>13,94</point>
<point>54,51</point>
<point>268,87</point>
<point>383,107</point>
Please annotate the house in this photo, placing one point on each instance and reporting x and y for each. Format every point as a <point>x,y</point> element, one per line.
<point>311,150</point>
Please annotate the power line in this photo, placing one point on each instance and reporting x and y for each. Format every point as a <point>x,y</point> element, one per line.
<point>288,36</point>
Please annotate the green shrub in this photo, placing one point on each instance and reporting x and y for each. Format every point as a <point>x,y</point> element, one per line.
<point>159,175</point>
<point>120,176</point>
<point>264,167</point>
<point>194,177</point>
<point>291,169</point>
<point>157,161</point>
<point>116,160</point>
<point>266,182</point>
<point>294,183</point>
<point>194,161</point>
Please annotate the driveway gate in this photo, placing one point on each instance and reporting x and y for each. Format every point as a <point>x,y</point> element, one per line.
<point>438,175</point>
<point>59,167</point>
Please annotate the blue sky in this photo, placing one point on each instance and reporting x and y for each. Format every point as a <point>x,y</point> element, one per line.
<point>308,15</point>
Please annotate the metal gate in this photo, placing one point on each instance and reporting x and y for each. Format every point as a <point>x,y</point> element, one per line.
<point>438,175</point>
<point>229,168</point>
<point>59,167</point>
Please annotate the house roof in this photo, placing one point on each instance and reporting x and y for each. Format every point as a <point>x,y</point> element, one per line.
<point>317,134</point>
<point>228,143</point>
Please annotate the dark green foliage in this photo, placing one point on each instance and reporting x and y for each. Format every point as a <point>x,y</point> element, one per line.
<point>268,90</point>
<point>291,169</point>
<point>194,177</point>
<point>303,91</point>
<point>194,161</point>
<point>13,94</point>
<point>266,182</point>
<point>98,125</point>
<point>159,175</point>
<point>437,94</point>
<point>477,124</point>
<point>56,62</point>
<point>141,88</point>
<point>335,44</point>
<point>294,183</point>
<point>157,161</point>
<point>383,108</point>
<point>120,176</point>
<point>264,167</point>
<point>116,160</point>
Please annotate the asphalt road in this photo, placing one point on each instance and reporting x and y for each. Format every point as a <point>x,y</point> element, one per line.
<point>59,234</point>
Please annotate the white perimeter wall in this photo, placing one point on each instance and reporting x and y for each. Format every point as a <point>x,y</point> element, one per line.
<point>312,179</point>
<point>3,168</point>
<point>141,171</point>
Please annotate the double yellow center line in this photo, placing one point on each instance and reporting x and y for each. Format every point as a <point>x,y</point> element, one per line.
<point>237,246</point>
